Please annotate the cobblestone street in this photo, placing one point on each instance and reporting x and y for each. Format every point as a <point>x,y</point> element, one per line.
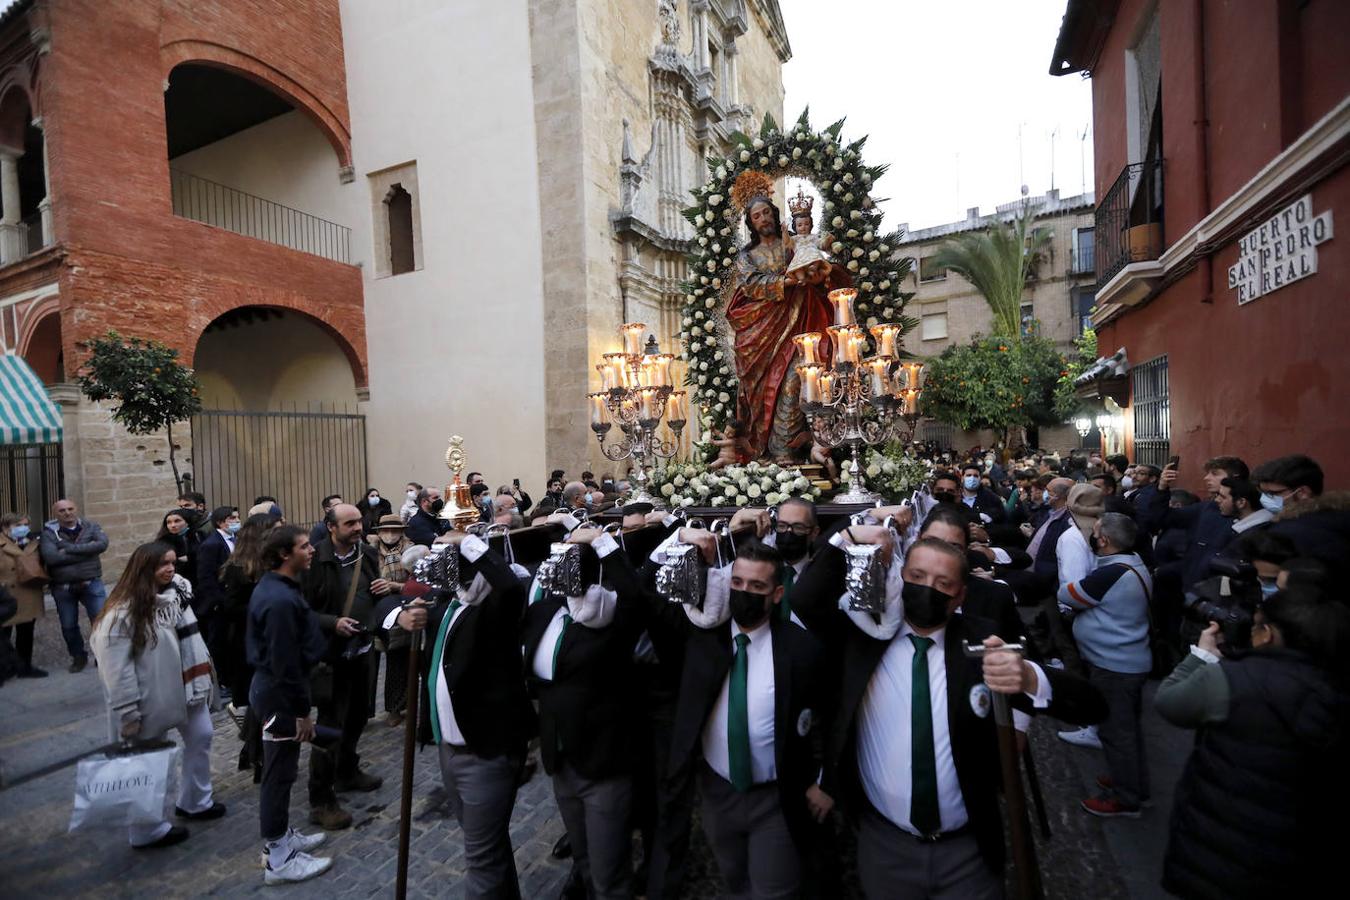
<point>59,717</point>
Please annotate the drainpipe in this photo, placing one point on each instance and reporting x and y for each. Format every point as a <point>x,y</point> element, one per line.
<point>1206,261</point>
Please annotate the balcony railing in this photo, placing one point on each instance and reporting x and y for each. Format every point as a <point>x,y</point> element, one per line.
<point>1083,259</point>
<point>225,207</point>
<point>1129,220</point>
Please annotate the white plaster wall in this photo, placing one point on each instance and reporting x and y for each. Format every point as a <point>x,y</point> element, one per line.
<point>286,160</point>
<point>272,364</point>
<point>456,347</point>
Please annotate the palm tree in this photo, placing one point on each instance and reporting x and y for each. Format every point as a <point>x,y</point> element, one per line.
<point>997,261</point>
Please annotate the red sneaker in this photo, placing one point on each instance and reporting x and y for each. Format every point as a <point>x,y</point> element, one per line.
<point>1109,808</point>
<point>1106,783</point>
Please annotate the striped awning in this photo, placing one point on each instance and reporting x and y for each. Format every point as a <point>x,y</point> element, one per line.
<point>27,414</point>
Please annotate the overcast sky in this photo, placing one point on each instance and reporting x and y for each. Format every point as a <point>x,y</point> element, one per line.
<point>941,89</point>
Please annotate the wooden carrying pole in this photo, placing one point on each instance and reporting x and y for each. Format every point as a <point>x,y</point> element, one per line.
<point>409,749</point>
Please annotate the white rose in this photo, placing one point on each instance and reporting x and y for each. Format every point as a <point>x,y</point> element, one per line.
<point>720,408</point>
<point>702,490</point>
<point>695,347</point>
<point>851,233</point>
<point>667,490</point>
<point>848,198</point>
<point>690,471</point>
<point>853,265</point>
<point>724,370</point>
<point>836,247</point>
<point>873,471</point>
<point>868,237</point>
<point>800,136</point>
<point>703,242</point>
<point>715,200</point>
<point>766,483</point>
<point>763,160</point>
<point>837,221</point>
<point>838,164</point>
<point>699,315</point>
<point>773,498</point>
<point>848,178</point>
<point>801,483</point>
<point>724,397</point>
<point>785,475</point>
<point>857,252</point>
<point>883,248</point>
<point>855,215</point>
<point>745,156</point>
<point>687,322</point>
<point>717,382</point>
<point>710,302</point>
<point>717,282</point>
<point>866,286</point>
<point>838,187</point>
<point>724,232</point>
<point>862,271</point>
<point>703,379</point>
<point>721,172</point>
<point>884,284</point>
<point>711,266</point>
<point>719,500</point>
<point>888,467</point>
<point>796,152</point>
<point>698,219</point>
<point>758,144</point>
<point>678,481</point>
<point>826,185</point>
<point>753,491</point>
<point>687,501</point>
<point>741,500</point>
<point>871,321</point>
<point>726,260</point>
<point>717,248</point>
<point>874,256</point>
<point>703,279</point>
<point>782,161</point>
<point>703,366</point>
<point>829,148</point>
<point>717,357</point>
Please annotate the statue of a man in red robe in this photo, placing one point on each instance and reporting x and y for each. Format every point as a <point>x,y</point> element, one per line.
<point>768,308</point>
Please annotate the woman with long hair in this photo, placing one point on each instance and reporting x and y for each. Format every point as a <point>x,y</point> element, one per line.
<point>238,577</point>
<point>179,531</point>
<point>156,676</point>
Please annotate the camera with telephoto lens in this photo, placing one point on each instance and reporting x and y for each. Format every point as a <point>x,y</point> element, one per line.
<point>1230,597</point>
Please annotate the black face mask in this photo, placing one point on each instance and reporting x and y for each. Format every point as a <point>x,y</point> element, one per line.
<point>944,496</point>
<point>793,546</point>
<point>925,606</point>
<point>437,506</point>
<point>748,609</point>
<point>1094,543</point>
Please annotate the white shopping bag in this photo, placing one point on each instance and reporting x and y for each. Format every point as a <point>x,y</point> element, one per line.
<point>121,788</point>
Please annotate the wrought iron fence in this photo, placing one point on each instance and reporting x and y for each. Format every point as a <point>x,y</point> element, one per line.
<point>32,478</point>
<point>234,210</point>
<point>1128,224</point>
<point>1152,405</point>
<point>297,457</point>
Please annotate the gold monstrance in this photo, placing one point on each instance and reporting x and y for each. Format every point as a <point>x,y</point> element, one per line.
<point>458,509</point>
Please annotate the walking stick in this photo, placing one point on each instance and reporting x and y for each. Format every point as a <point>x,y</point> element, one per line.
<point>1037,798</point>
<point>409,748</point>
<point>1026,870</point>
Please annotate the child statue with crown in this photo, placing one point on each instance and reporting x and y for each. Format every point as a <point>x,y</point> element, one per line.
<point>781,287</point>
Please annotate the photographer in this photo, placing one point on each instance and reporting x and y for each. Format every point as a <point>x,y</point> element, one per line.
<point>1265,776</point>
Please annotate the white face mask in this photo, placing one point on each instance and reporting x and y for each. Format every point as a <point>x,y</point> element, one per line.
<point>374,498</point>
<point>1126,483</point>
<point>411,495</point>
<point>1272,503</point>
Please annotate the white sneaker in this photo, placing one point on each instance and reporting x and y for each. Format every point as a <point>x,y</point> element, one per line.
<point>297,867</point>
<point>294,840</point>
<point>1082,737</point>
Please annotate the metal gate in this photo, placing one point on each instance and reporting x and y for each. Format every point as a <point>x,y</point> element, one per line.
<point>297,457</point>
<point>32,478</point>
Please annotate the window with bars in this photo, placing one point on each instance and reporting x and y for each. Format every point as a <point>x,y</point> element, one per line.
<point>1152,412</point>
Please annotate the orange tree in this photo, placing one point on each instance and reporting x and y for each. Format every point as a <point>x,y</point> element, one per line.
<point>998,383</point>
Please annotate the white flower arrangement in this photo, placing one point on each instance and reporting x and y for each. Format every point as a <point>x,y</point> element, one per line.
<point>694,484</point>
<point>892,472</point>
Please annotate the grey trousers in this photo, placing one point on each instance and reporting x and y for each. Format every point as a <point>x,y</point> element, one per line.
<point>596,816</point>
<point>750,839</point>
<point>893,865</point>
<point>1122,733</point>
<point>482,793</point>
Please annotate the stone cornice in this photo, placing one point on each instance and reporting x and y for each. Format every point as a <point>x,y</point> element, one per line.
<point>627,225</point>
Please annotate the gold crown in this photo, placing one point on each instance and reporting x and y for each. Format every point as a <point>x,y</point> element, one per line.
<point>801,204</point>
<point>749,185</point>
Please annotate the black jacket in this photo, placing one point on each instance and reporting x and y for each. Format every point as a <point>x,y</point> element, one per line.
<point>481,663</point>
<point>1254,812</point>
<point>207,593</point>
<point>283,643</point>
<point>799,697</point>
<point>588,711</point>
<point>987,502</point>
<point>424,528</point>
<point>323,589</point>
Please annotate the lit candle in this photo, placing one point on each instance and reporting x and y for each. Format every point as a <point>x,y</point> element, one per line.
<point>826,386</point>
<point>618,364</point>
<point>854,344</point>
<point>839,338</point>
<point>911,398</point>
<point>606,376</point>
<point>597,408</point>
<point>843,298</point>
<point>810,376</point>
<point>647,376</point>
<point>879,367</point>
<point>661,368</point>
<point>807,344</point>
<point>886,335</point>
<point>912,372</point>
<point>632,338</point>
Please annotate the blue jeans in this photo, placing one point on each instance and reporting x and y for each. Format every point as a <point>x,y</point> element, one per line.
<point>69,598</point>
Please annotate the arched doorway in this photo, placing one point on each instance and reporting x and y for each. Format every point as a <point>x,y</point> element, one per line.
<point>280,413</point>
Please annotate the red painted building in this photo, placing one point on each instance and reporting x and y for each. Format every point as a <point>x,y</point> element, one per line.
<point>100,230</point>
<point>1221,134</point>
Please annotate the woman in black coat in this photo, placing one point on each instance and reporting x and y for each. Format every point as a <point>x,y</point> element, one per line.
<point>371,507</point>
<point>179,530</point>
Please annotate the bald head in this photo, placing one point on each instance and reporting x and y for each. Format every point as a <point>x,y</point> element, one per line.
<point>1059,491</point>
<point>574,494</point>
<point>344,526</point>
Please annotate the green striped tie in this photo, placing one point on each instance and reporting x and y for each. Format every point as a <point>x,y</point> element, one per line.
<point>437,655</point>
<point>738,717</point>
<point>557,645</point>
<point>923,805</point>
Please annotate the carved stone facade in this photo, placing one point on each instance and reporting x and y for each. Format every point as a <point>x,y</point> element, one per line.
<point>631,96</point>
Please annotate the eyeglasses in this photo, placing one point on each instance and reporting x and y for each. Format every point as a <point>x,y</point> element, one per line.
<point>800,528</point>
